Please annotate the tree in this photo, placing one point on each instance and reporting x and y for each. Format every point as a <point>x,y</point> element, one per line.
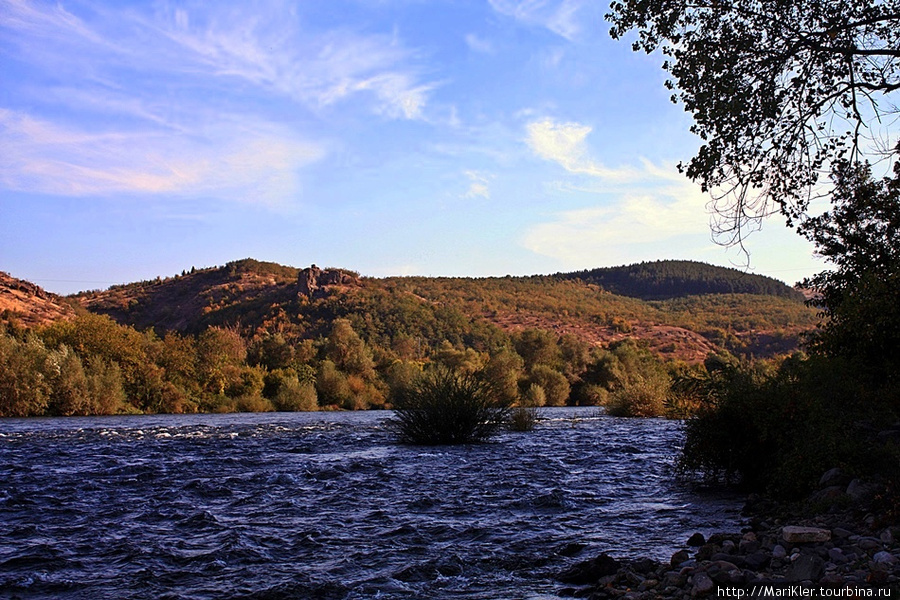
<point>447,407</point>
<point>348,351</point>
<point>24,390</point>
<point>860,236</point>
<point>555,385</point>
<point>220,353</point>
<point>538,347</point>
<point>780,92</point>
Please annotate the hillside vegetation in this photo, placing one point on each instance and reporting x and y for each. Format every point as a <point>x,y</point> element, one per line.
<point>261,336</point>
<point>667,279</point>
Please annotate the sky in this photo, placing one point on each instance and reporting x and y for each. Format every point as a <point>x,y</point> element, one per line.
<point>391,137</point>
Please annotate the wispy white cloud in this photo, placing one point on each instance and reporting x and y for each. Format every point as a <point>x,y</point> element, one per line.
<point>46,21</point>
<point>259,165</point>
<point>564,143</point>
<point>479,185</point>
<point>265,47</point>
<point>318,69</point>
<point>562,17</point>
<point>638,208</point>
<point>177,101</point>
<point>622,226</point>
<point>477,44</point>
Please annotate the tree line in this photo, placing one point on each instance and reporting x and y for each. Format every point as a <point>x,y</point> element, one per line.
<point>93,365</point>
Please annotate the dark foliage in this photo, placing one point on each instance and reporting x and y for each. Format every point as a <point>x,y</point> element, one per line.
<point>666,279</point>
<point>778,429</point>
<point>781,430</point>
<point>523,418</point>
<point>860,297</point>
<point>778,91</point>
<point>444,407</point>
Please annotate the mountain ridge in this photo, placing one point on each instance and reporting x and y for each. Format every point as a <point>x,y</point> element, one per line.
<point>259,296</point>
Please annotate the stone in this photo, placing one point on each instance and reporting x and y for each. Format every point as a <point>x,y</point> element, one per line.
<point>722,557</point>
<point>794,534</point>
<point>706,551</point>
<point>829,494</point>
<point>869,543</point>
<point>314,282</point>
<point>862,492</point>
<point>679,557</point>
<point>834,477</point>
<point>840,532</point>
<point>887,537</point>
<point>749,546</point>
<point>571,549</point>
<point>673,579</point>
<point>648,584</point>
<point>757,561</point>
<point>703,584</point>
<point>644,566</point>
<point>779,552</point>
<point>807,567</point>
<point>877,577</point>
<point>885,558</point>
<point>589,571</point>
<point>696,540</point>
<point>837,556</point>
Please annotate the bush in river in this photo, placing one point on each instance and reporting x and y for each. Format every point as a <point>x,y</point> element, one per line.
<point>523,418</point>
<point>447,407</point>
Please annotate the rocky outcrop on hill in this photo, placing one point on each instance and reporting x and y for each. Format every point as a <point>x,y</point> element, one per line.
<point>30,304</point>
<point>314,282</point>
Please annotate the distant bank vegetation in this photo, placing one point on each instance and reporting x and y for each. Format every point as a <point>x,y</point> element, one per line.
<point>241,338</point>
<point>93,365</point>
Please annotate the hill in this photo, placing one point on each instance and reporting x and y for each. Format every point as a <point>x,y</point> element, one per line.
<point>29,304</point>
<point>654,303</point>
<point>257,336</point>
<point>666,279</point>
<point>195,300</point>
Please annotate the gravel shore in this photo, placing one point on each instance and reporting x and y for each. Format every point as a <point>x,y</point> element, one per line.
<point>838,553</point>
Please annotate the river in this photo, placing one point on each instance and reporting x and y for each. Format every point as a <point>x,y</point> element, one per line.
<point>329,506</point>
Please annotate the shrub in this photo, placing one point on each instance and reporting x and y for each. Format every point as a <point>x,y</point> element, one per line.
<point>294,396</point>
<point>640,397</point>
<point>24,391</point>
<point>778,430</point>
<point>401,377</point>
<point>556,387</point>
<point>445,407</point>
<point>535,395</point>
<point>523,418</point>
<point>251,403</point>
<point>332,385</point>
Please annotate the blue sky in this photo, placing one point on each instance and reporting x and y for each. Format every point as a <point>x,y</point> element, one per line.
<point>393,137</point>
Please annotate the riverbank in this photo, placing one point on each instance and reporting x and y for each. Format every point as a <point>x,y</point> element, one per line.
<point>846,550</point>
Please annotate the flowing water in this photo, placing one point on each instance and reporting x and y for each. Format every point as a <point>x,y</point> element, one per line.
<point>328,505</point>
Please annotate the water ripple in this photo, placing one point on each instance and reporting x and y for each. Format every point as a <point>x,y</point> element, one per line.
<point>328,506</point>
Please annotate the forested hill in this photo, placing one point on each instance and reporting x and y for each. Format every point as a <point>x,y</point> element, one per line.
<point>666,279</point>
<point>252,335</point>
<point>748,314</point>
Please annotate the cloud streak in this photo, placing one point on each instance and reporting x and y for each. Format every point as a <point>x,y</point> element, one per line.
<point>563,17</point>
<point>638,208</point>
<point>180,102</point>
<point>564,143</point>
<point>260,166</point>
<point>479,185</point>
